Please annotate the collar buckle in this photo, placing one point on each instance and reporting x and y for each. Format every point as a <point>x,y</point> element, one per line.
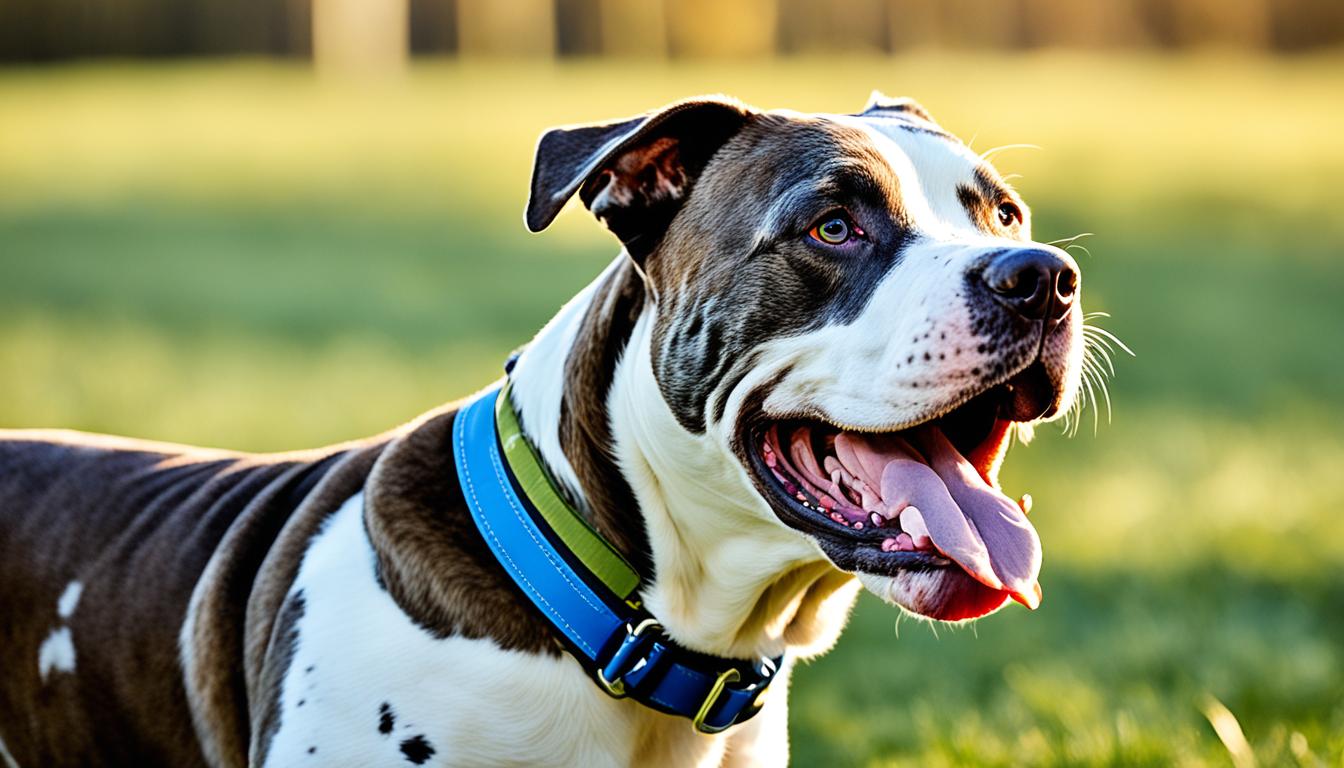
<point>628,654</point>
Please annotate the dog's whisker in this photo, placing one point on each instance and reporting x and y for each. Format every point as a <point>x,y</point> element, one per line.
<point>1097,351</point>
<point>1092,396</point>
<point>1080,247</point>
<point>1094,335</point>
<point>1061,242</point>
<point>1098,379</point>
<point>987,154</point>
<point>1098,365</point>
<point>1096,361</point>
<point>1096,329</point>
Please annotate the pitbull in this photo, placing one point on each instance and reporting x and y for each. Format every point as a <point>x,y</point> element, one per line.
<point>798,378</point>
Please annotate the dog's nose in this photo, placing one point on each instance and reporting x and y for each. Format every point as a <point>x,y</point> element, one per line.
<point>1037,283</point>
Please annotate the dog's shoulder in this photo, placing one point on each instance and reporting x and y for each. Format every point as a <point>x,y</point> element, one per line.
<point>431,555</point>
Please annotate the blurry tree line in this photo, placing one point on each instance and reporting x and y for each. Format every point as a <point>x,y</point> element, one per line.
<point>45,30</point>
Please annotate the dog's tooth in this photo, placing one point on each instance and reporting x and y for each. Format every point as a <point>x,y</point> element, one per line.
<point>869,500</point>
<point>839,518</point>
<point>858,525</point>
<point>904,543</point>
<point>826,503</point>
<point>1025,503</point>
<point>912,521</point>
<point>889,544</point>
<point>877,520</point>
<point>770,460</point>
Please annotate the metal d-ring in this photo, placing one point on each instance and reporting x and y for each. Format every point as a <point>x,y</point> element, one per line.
<point>616,687</point>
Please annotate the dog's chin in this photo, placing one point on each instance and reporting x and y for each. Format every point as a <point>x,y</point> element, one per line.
<point>853,491</point>
<point>944,594</point>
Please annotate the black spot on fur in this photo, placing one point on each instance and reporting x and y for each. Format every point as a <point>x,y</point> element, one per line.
<point>417,750</point>
<point>387,719</point>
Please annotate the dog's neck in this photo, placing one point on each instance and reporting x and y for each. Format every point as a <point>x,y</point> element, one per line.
<point>726,577</point>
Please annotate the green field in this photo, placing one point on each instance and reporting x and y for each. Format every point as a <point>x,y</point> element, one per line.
<point>238,254</point>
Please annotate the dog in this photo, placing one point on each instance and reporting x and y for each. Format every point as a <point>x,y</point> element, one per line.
<point>798,379</point>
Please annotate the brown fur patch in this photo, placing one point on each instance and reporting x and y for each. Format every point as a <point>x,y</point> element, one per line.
<point>135,523</point>
<point>430,554</point>
<point>585,429</point>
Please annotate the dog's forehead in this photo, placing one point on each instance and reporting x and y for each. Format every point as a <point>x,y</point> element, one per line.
<point>930,164</point>
<point>937,159</point>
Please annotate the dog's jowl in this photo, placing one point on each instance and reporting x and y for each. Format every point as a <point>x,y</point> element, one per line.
<point>798,378</point>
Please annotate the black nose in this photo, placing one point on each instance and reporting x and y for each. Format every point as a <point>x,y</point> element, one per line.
<point>1036,283</point>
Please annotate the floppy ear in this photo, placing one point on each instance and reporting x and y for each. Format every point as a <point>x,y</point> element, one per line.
<point>633,174</point>
<point>879,103</point>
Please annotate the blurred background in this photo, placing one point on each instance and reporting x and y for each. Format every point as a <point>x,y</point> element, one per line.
<point>272,224</point>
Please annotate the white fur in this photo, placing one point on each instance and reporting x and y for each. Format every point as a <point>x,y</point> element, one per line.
<point>474,703</point>
<point>8,759</point>
<point>57,653</point>
<point>717,547</point>
<point>539,381</point>
<point>69,600</point>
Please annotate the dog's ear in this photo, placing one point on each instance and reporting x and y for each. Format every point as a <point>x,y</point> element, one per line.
<point>880,103</point>
<point>633,174</point>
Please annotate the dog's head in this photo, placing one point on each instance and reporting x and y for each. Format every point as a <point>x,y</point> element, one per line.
<point>853,308</point>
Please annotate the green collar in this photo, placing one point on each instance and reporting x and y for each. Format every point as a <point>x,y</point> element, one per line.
<point>578,535</point>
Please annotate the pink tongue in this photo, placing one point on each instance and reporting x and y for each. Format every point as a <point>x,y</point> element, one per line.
<point>968,521</point>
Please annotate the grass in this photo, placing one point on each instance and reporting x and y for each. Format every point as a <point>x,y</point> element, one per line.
<point>239,254</point>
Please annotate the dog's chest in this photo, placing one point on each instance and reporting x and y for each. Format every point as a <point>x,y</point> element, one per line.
<point>367,686</point>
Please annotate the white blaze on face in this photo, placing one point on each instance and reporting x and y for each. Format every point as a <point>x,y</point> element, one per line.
<point>938,166</point>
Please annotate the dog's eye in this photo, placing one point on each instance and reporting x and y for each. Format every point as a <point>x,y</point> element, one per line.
<point>834,230</point>
<point>1009,214</point>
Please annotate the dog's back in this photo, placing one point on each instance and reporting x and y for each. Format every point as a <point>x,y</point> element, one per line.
<point>102,541</point>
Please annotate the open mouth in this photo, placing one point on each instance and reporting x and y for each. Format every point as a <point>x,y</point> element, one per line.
<point>924,499</point>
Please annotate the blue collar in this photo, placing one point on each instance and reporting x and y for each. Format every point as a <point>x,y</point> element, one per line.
<point>619,643</point>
